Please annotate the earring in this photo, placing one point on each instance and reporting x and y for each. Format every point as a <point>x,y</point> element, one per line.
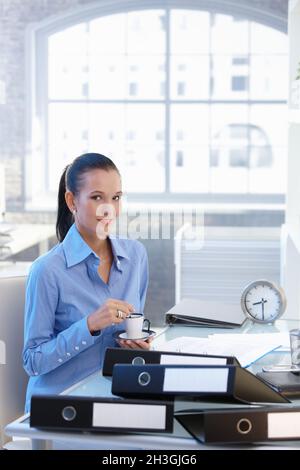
<point>74,211</point>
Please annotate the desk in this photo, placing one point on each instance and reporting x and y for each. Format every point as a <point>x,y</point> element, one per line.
<point>24,236</point>
<point>97,385</point>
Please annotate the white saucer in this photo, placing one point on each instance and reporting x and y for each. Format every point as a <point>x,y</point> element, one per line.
<point>123,335</point>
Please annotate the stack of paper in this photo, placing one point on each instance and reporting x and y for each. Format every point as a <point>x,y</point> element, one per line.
<point>247,348</point>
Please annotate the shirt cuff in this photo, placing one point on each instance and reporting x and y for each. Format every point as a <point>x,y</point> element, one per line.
<point>90,336</point>
<point>96,333</point>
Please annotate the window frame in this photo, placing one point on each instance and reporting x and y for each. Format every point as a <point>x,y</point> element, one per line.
<point>36,196</point>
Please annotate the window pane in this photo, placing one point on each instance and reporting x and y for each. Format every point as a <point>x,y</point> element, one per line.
<point>265,40</point>
<point>269,148</point>
<point>68,137</point>
<point>269,77</point>
<point>190,77</point>
<point>107,129</point>
<point>272,119</point>
<point>229,154</point>
<point>106,77</point>
<point>189,31</point>
<point>68,73</point>
<point>145,32</point>
<point>145,76</point>
<point>144,166</point>
<point>107,35</point>
<point>189,148</point>
<point>229,35</point>
<point>230,77</point>
<point>270,179</point>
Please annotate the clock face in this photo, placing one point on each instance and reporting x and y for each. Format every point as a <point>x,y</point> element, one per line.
<point>263,301</point>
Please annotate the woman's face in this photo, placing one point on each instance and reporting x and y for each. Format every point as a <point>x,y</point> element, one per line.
<point>98,202</point>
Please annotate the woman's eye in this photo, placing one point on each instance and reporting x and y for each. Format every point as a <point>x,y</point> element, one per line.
<point>96,198</point>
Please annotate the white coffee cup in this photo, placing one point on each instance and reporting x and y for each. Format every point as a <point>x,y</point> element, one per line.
<point>134,324</point>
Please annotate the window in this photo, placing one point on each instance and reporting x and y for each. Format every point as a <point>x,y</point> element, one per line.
<point>186,102</point>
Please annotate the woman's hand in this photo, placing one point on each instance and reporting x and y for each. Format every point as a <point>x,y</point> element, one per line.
<point>135,344</point>
<point>112,312</point>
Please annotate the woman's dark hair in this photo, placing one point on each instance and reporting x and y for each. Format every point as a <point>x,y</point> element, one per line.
<point>71,180</point>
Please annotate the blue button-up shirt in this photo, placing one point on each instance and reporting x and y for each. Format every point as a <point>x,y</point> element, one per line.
<point>63,288</point>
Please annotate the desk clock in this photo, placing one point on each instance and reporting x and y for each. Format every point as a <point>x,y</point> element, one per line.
<point>263,302</point>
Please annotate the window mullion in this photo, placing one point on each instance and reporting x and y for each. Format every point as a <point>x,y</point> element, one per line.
<point>167,106</point>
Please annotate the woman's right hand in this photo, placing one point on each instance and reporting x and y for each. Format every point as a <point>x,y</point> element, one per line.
<point>107,314</point>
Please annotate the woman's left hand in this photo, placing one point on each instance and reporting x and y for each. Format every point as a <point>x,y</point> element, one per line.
<point>135,344</point>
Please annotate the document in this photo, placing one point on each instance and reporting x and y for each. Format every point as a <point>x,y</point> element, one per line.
<point>246,348</point>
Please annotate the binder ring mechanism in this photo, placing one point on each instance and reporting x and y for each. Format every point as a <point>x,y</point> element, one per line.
<point>138,361</point>
<point>244,426</point>
<point>69,413</point>
<point>144,378</point>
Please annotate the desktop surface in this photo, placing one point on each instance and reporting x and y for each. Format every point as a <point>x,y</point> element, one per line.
<point>96,385</point>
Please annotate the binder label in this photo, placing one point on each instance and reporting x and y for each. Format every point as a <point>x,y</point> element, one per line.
<point>130,416</point>
<point>196,380</point>
<point>284,425</point>
<point>169,359</point>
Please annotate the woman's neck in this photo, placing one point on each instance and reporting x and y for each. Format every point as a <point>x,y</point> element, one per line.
<point>99,246</point>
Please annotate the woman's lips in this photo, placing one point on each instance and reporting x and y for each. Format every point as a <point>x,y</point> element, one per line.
<point>105,221</point>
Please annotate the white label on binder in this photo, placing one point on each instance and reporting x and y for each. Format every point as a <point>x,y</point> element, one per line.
<point>169,359</point>
<point>284,425</point>
<point>195,380</point>
<point>129,416</point>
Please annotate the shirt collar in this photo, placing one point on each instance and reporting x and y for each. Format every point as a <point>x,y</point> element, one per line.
<point>76,249</point>
<point>117,248</point>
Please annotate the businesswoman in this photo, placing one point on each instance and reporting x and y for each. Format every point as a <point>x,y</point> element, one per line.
<point>79,293</point>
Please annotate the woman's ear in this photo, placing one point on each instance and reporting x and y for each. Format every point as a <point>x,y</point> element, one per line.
<point>70,201</point>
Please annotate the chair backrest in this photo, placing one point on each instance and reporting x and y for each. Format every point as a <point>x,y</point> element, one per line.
<point>13,379</point>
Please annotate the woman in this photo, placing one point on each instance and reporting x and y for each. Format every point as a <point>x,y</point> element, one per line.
<point>79,293</point>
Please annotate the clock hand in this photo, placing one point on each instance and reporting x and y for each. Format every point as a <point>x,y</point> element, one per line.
<point>263,301</point>
<point>263,309</point>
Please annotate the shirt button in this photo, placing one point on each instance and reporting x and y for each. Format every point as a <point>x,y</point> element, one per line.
<point>60,360</point>
<point>118,263</point>
<point>77,348</point>
<point>83,342</point>
<point>36,373</point>
<point>68,354</point>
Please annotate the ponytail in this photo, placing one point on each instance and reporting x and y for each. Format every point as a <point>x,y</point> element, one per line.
<point>71,180</point>
<point>64,217</point>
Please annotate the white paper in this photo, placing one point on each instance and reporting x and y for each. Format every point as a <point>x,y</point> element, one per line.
<point>247,348</point>
<point>196,380</point>
<point>131,416</point>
